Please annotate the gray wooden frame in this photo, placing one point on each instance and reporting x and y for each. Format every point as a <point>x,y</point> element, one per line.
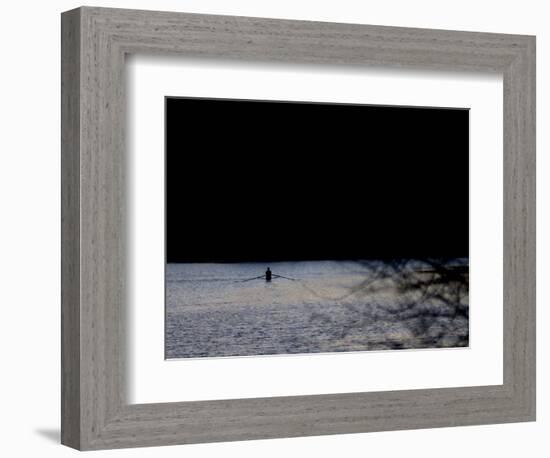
<point>95,413</point>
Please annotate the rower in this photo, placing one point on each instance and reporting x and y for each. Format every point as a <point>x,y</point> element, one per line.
<point>268,274</point>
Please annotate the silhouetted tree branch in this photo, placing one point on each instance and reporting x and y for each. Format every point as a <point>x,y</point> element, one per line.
<point>408,303</point>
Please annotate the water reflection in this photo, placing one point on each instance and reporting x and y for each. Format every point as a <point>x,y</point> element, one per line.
<point>329,306</point>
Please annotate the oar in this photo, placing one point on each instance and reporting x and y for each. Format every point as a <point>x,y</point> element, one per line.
<point>249,279</point>
<point>286,278</point>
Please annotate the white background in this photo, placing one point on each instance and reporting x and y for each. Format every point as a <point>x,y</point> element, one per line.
<point>29,233</point>
<point>153,379</point>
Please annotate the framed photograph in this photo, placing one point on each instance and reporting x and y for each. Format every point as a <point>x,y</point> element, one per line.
<point>278,228</point>
<point>318,242</point>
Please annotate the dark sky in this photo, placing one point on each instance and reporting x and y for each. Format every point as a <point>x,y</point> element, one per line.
<point>268,181</point>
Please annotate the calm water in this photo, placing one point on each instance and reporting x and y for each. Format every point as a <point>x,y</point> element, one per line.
<point>330,306</point>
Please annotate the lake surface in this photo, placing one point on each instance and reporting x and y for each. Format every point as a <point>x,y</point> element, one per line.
<point>214,310</point>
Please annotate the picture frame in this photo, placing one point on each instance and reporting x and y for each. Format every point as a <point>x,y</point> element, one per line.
<point>95,410</point>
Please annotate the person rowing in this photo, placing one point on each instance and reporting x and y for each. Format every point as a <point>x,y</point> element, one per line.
<point>268,276</point>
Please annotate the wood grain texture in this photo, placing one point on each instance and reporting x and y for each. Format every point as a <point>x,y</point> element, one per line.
<point>70,229</point>
<point>96,414</point>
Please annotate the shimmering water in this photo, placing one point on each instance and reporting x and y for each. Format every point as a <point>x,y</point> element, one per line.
<point>328,306</point>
